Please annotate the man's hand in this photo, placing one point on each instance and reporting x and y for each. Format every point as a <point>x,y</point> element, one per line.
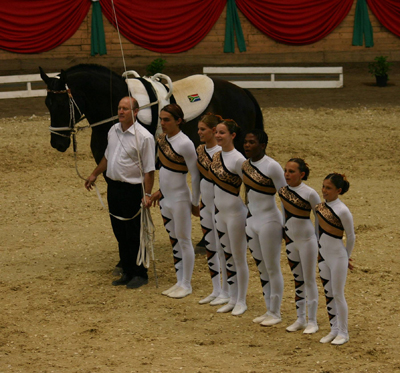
<point>146,202</point>
<point>101,167</point>
<point>90,182</point>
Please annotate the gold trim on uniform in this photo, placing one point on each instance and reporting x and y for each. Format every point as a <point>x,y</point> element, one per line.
<point>203,162</point>
<point>221,176</point>
<point>295,204</point>
<point>254,179</point>
<point>329,222</point>
<point>168,157</point>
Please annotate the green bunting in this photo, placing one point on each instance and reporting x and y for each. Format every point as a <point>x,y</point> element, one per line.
<point>233,25</point>
<point>98,42</point>
<point>362,26</point>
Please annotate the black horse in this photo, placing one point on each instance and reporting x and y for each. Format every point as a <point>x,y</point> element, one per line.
<point>95,91</point>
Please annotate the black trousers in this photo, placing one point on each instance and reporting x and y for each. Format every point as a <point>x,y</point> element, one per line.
<point>124,200</point>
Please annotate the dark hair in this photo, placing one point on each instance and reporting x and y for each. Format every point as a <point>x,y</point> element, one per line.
<point>232,126</point>
<point>176,111</point>
<point>261,136</point>
<point>339,181</point>
<point>211,120</point>
<point>303,166</point>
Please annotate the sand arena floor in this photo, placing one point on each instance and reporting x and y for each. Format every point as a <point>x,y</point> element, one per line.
<point>59,312</point>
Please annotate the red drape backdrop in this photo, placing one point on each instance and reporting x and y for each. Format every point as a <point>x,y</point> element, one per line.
<point>164,26</point>
<point>34,26</point>
<point>295,21</point>
<point>388,13</point>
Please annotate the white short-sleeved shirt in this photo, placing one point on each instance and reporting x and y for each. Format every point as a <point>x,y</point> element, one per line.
<point>122,155</point>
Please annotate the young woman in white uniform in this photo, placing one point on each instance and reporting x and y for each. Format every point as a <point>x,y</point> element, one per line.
<point>263,176</point>
<point>177,156</point>
<point>300,235</point>
<point>334,258</point>
<point>230,215</point>
<point>206,130</point>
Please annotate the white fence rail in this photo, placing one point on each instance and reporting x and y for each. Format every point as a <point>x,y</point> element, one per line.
<point>245,77</point>
<point>9,86</point>
<point>280,77</point>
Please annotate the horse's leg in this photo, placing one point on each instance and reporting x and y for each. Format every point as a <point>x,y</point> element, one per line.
<point>98,142</point>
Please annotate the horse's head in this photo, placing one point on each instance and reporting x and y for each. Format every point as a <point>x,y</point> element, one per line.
<point>58,101</point>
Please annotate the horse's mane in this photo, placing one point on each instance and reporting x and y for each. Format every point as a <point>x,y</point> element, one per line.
<point>91,67</point>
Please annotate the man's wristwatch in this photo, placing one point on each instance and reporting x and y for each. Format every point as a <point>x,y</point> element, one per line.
<point>147,194</point>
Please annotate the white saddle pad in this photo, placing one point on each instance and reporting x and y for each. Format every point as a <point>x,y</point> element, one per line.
<point>193,94</point>
<point>138,91</point>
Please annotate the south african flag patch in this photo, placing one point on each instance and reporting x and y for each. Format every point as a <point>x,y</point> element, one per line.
<point>194,98</point>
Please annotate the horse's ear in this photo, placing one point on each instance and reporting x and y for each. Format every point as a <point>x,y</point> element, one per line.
<point>63,77</point>
<point>44,76</point>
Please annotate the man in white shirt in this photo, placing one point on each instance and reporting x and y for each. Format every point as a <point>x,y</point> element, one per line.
<point>125,171</point>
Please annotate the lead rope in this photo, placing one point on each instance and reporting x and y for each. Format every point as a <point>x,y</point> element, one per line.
<point>75,147</point>
<point>74,130</point>
<point>147,231</point>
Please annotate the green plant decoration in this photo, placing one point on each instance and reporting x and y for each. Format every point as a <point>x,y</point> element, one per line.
<point>380,67</point>
<point>156,66</point>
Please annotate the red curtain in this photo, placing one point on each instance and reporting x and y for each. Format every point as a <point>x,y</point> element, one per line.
<point>295,21</point>
<point>34,26</point>
<point>164,26</point>
<point>388,13</point>
<point>174,26</point>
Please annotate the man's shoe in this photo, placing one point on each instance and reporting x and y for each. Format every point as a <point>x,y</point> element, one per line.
<point>124,280</point>
<point>137,282</point>
<point>118,271</point>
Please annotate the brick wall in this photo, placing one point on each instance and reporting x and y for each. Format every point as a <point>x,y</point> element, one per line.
<point>261,50</point>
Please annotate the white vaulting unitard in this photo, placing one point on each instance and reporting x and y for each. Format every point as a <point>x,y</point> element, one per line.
<point>177,156</point>
<point>207,218</point>
<point>302,247</point>
<point>230,217</point>
<point>335,219</point>
<point>264,226</point>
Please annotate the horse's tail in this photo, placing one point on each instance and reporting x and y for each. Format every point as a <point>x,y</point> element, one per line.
<point>259,124</point>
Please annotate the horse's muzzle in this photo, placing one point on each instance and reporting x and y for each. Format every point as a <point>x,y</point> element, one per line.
<point>60,143</point>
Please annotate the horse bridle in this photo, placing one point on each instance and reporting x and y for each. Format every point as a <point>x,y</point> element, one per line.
<point>73,131</point>
<point>72,122</point>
